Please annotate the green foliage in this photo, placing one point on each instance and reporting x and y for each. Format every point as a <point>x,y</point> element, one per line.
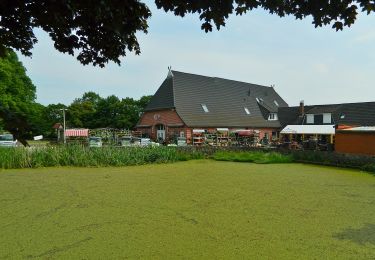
<point>105,30</point>
<point>365,163</point>
<point>17,97</point>
<point>199,209</point>
<point>92,111</point>
<point>213,13</point>
<point>98,32</point>
<point>255,157</point>
<point>75,155</point>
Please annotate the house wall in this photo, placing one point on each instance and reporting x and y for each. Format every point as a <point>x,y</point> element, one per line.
<point>165,117</point>
<point>170,117</point>
<point>355,142</point>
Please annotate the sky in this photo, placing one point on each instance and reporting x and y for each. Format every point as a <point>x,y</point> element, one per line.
<point>317,65</point>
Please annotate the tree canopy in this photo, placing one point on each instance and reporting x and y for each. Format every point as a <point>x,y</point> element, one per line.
<point>17,97</point>
<point>102,31</point>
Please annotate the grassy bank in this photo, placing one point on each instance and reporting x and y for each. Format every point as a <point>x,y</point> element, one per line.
<point>13,158</point>
<point>201,209</point>
<point>254,157</point>
<point>49,156</point>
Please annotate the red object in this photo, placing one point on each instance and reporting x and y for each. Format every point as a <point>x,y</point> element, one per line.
<point>340,127</point>
<point>245,132</point>
<point>355,142</point>
<point>57,126</point>
<point>77,132</point>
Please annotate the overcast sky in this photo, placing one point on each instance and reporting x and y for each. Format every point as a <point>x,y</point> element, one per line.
<point>317,65</point>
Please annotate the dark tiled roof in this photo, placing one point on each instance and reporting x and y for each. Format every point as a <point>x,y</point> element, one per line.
<point>361,114</point>
<point>164,96</point>
<point>225,100</point>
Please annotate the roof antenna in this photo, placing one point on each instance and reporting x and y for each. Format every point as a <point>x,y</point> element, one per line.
<point>170,74</point>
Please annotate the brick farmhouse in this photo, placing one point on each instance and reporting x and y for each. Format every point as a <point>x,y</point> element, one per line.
<point>185,102</point>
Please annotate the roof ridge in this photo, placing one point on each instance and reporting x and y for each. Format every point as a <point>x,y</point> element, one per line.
<point>338,104</point>
<point>210,77</point>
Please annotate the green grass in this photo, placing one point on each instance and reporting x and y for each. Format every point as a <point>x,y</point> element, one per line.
<point>255,157</point>
<point>196,209</point>
<point>14,158</point>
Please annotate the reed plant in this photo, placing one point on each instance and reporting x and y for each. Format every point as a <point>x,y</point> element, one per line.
<point>90,157</point>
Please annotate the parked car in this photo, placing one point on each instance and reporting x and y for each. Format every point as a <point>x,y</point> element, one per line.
<point>95,141</point>
<point>7,140</point>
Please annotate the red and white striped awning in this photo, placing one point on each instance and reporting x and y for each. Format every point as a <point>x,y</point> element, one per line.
<point>77,132</point>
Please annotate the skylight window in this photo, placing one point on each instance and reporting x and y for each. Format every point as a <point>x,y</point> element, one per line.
<point>247,111</point>
<point>205,109</point>
<point>277,104</point>
<point>342,116</point>
<point>259,100</point>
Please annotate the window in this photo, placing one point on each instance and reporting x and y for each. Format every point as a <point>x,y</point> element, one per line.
<point>272,116</point>
<point>275,102</point>
<point>318,119</point>
<point>247,111</point>
<point>205,109</point>
<point>309,119</point>
<point>327,118</point>
<point>342,116</point>
<point>160,127</point>
<point>259,100</point>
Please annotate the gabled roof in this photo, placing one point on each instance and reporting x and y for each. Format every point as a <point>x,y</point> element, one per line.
<point>361,114</point>
<point>225,99</point>
<point>164,96</point>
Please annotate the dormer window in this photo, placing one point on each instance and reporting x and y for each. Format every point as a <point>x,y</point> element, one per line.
<point>309,119</point>
<point>272,116</point>
<point>205,109</point>
<point>326,118</point>
<point>275,102</point>
<point>247,111</point>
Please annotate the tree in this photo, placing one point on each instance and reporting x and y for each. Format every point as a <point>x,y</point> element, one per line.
<point>102,31</point>
<point>143,102</point>
<point>52,115</point>
<point>17,97</point>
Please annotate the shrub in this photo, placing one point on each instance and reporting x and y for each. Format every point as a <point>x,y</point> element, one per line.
<point>365,163</point>
<point>256,157</point>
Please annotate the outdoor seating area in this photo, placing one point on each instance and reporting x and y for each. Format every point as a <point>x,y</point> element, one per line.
<point>308,137</point>
<point>223,137</point>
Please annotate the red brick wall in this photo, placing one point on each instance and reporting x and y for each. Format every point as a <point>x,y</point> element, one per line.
<point>355,142</point>
<point>161,117</point>
<point>168,117</point>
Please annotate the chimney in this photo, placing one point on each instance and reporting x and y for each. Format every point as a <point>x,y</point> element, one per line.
<point>301,108</point>
<point>170,74</point>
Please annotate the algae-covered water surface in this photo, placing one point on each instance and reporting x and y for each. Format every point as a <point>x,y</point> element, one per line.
<point>194,209</point>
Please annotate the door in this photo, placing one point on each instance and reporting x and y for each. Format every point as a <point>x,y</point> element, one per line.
<point>160,132</point>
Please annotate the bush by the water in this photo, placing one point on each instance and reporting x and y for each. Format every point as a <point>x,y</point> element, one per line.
<point>86,157</point>
<point>75,155</point>
<point>362,162</point>
<point>252,156</point>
